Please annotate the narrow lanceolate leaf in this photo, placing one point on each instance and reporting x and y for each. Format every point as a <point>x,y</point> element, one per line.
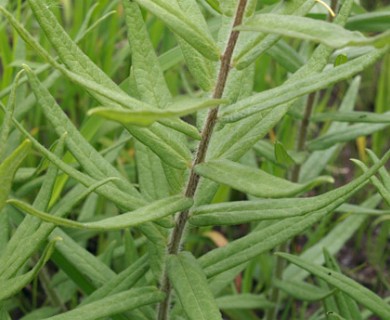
<point>384,174</point>
<point>330,34</point>
<point>124,280</point>
<point>301,290</point>
<point>347,306</point>
<point>67,50</point>
<point>148,117</point>
<point>114,304</point>
<point>244,301</point>
<point>7,120</point>
<point>242,250</point>
<point>157,210</point>
<point>385,192</point>
<point>180,24</point>
<point>202,69</point>
<point>356,291</point>
<point>253,181</point>
<point>345,134</point>
<point>353,116</point>
<point>262,42</point>
<point>10,287</point>
<point>281,154</point>
<point>294,89</point>
<point>247,211</point>
<point>191,287</point>
<point>377,21</point>
<point>8,168</point>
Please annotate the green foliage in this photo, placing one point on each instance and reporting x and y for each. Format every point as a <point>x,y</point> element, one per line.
<point>134,132</point>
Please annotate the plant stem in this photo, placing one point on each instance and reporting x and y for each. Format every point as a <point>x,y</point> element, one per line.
<point>193,181</point>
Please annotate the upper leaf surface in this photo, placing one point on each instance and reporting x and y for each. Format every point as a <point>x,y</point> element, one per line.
<point>148,117</point>
<point>191,287</point>
<point>154,211</point>
<point>327,33</point>
<point>253,181</point>
<point>179,23</point>
<point>8,168</point>
<point>113,304</point>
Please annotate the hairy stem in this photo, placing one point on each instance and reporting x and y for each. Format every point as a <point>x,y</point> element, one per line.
<point>193,181</point>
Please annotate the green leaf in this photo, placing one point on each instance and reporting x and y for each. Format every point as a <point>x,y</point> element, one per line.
<point>7,121</point>
<point>246,211</point>
<point>296,88</point>
<point>191,287</point>
<point>384,192</point>
<point>124,280</point>
<point>262,43</point>
<point>286,56</point>
<point>253,181</point>
<point>151,212</point>
<point>12,286</point>
<point>356,291</point>
<point>27,231</point>
<point>148,117</point>
<point>340,59</point>
<point>146,70</point>
<point>348,307</point>
<point>343,135</point>
<point>156,180</point>
<point>301,290</point>
<point>73,57</point>
<point>281,154</point>
<point>113,304</point>
<point>330,34</point>
<point>180,24</point>
<point>251,245</point>
<point>244,301</point>
<point>8,169</point>
<point>384,174</point>
<point>352,116</point>
<point>203,70</point>
<point>214,4</point>
<point>370,22</point>
<point>81,266</point>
